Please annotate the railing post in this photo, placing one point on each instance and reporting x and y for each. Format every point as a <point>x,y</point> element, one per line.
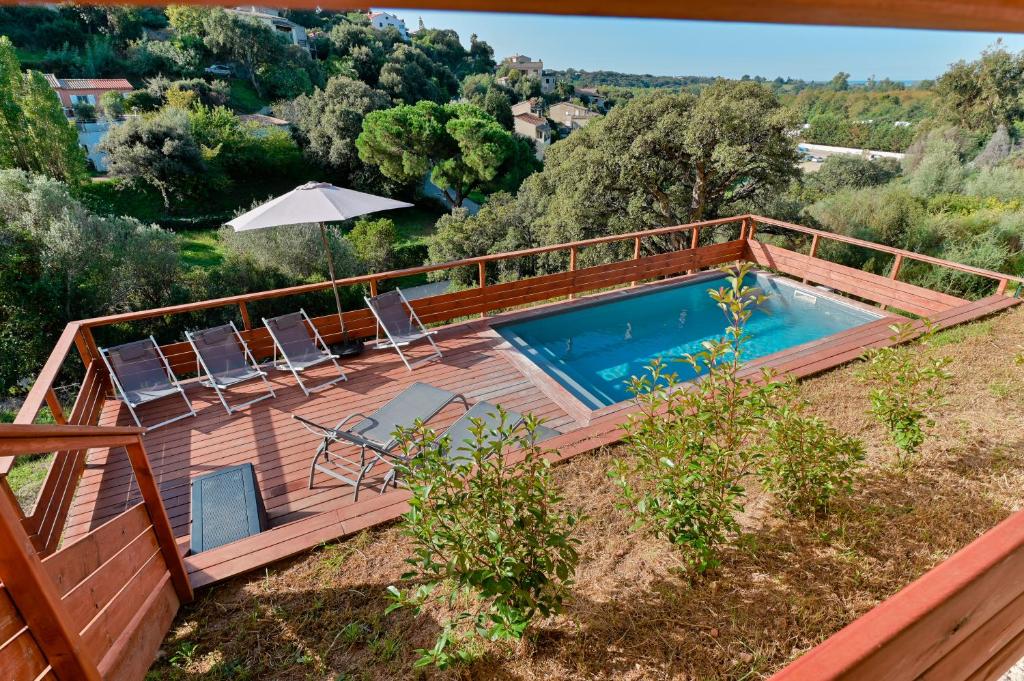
<point>36,597</point>
<point>636,254</point>
<point>482,273</point>
<point>896,264</point>
<point>373,288</point>
<point>83,348</point>
<point>694,240</point>
<point>814,250</point>
<point>751,227</point>
<point>572,268</point>
<point>743,229</point>
<point>243,309</point>
<point>158,516</point>
<point>1001,289</point>
<point>54,404</point>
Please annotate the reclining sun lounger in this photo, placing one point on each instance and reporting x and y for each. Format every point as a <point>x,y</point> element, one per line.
<point>301,347</point>
<point>458,436</point>
<point>224,357</point>
<point>376,432</point>
<point>400,324</point>
<point>141,374</point>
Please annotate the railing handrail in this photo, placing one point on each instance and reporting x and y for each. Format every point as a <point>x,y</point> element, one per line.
<point>909,255</point>
<point>394,274</point>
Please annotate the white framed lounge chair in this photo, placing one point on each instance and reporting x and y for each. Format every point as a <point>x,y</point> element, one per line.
<point>301,347</point>
<point>376,432</point>
<point>223,355</point>
<point>401,326</point>
<point>141,374</point>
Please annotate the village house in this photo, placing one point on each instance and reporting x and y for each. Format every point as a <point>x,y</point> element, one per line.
<point>73,91</point>
<point>531,69</point>
<point>295,33</point>
<point>535,128</point>
<point>381,20</point>
<point>590,95</point>
<point>570,116</point>
<point>533,105</point>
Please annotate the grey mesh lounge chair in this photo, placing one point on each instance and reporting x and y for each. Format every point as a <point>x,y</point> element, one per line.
<point>222,354</point>
<point>141,374</point>
<point>374,433</point>
<point>301,347</point>
<point>400,324</point>
<point>457,436</point>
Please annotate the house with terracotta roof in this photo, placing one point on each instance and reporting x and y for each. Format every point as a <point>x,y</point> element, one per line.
<point>73,91</point>
<point>535,128</point>
<point>533,105</point>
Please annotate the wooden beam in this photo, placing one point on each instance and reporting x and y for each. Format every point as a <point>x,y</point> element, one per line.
<point>36,597</point>
<point>572,265</point>
<point>636,253</point>
<point>1003,16</point>
<point>158,516</point>
<point>54,404</point>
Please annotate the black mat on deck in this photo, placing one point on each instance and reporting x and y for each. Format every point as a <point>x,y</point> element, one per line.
<point>226,506</point>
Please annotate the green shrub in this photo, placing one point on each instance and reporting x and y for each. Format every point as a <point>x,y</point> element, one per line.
<point>488,532</point>
<point>374,243</point>
<point>693,447</point>
<point>906,389</point>
<point>807,461</point>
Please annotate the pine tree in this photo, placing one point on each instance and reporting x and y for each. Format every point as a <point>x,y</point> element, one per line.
<point>34,133</point>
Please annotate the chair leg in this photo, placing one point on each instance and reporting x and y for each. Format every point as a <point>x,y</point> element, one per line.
<point>312,467</point>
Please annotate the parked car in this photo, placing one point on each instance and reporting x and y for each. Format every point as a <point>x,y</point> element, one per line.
<point>218,70</point>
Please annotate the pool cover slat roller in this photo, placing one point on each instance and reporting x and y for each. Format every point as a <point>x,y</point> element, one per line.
<point>226,506</point>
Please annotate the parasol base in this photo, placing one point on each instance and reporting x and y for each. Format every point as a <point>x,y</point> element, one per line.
<point>348,349</point>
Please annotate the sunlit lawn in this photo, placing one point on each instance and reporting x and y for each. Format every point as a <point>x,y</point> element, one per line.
<point>200,248</point>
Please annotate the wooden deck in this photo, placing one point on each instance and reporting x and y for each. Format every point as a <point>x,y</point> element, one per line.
<point>476,363</point>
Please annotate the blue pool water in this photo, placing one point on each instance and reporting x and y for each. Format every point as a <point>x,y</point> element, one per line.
<point>592,350</point>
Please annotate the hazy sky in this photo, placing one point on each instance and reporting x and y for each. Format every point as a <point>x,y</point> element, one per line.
<point>677,48</point>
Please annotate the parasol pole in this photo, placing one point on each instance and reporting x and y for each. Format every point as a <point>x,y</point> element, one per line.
<point>334,282</point>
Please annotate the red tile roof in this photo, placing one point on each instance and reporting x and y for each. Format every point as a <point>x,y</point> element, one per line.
<point>88,83</point>
<point>531,119</point>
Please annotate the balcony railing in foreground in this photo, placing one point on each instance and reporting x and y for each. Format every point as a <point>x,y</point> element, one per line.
<point>643,256</point>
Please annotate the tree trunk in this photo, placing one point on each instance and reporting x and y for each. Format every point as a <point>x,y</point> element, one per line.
<point>699,198</point>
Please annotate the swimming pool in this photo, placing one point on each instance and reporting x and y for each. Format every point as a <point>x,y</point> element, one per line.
<point>592,349</point>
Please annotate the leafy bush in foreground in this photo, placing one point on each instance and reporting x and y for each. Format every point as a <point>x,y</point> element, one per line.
<point>488,531</point>
<point>695,445</point>
<point>906,389</point>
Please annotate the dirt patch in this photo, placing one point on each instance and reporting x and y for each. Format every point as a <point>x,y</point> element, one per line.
<point>786,585</point>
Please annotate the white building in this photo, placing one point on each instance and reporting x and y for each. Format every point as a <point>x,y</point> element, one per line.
<point>295,34</point>
<point>381,20</point>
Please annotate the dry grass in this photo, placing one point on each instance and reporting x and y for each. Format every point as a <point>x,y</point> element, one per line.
<point>786,585</point>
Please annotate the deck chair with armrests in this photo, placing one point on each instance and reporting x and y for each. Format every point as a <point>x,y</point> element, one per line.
<point>455,441</point>
<point>401,326</point>
<point>373,434</point>
<point>223,355</point>
<point>141,374</point>
<point>301,347</point>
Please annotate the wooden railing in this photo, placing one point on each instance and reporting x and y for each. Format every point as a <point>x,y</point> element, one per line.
<point>98,608</point>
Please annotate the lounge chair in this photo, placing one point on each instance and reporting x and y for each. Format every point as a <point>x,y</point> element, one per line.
<point>400,324</point>
<point>141,374</point>
<point>457,438</point>
<point>222,354</point>
<point>301,347</point>
<point>375,433</point>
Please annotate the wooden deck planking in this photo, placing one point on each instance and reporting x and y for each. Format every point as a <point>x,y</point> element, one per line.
<point>280,448</point>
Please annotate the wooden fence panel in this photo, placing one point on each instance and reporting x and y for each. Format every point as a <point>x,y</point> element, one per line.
<point>873,287</point>
<point>20,656</point>
<point>46,522</point>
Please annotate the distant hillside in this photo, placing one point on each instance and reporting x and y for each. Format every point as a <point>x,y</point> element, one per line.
<point>630,80</point>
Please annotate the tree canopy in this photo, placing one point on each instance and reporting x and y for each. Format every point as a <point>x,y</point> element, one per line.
<point>462,147</point>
